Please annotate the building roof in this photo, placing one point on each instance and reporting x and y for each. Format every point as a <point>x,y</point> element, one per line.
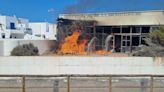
<point>154,17</point>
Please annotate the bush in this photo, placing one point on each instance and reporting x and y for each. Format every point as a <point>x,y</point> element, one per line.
<point>157,36</point>
<point>154,46</point>
<point>25,50</point>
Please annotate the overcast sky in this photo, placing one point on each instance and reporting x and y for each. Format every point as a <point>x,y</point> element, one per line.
<point>48,10</point>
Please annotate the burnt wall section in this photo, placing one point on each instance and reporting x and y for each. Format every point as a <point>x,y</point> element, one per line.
<point>111,38</point>
<point>66,27</point>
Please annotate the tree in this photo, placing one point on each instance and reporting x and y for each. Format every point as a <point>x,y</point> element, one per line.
<point>154,44</point>
<point>25,50</point>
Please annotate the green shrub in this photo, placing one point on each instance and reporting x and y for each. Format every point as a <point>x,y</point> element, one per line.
<point>25,50</point>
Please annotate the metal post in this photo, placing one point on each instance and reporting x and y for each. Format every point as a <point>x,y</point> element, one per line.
<point>110,84</point>
<point>114,42</point>
<point>23,84</point>
<point>131,34</point>
<point>94,29</point>
<point>68,84</point>
<point>121,39</point>
<point>152,84</point>
<point>140,35</point>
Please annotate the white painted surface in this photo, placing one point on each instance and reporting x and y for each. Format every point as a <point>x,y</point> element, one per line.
<point>8,45</point>
<point>1,48</point>
<point>3,22</point>
<point>79,65</point>
<point>43,29</point>
<point>20,26</point>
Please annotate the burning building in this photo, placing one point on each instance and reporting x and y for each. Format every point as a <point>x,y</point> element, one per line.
<point>106,32</point>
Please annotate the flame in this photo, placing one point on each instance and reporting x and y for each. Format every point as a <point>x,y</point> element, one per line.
<point>82,46</point>
<point>71,46</point>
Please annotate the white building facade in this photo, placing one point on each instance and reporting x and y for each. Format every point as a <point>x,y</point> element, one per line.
<point>20,28</point>
<point>43,30</point>
<point>14,28</point>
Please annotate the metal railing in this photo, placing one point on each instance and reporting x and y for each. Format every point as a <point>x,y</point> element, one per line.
<point>82,83</point>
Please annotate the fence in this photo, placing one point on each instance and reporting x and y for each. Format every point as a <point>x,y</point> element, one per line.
<point>81,83</point>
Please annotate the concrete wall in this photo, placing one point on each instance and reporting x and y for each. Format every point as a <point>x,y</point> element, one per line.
<point>52,31</point>
<point>15,20</point>
<point>1,48</point>
<point>44,28</point>
<point>43,45</point>
<point>9,20</point>
<point>38,28</point>
<point>24,22</point>
<point>80,65</point>
<point>3,22</point>
<point>9,45</point>
<point>20,28</point>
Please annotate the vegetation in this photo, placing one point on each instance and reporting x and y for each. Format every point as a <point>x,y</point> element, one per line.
<point>154,46</point>
<point>157,36</point>
<point>25,50</point>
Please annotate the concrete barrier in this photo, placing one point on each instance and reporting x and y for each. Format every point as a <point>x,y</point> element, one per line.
<point>84,65</point>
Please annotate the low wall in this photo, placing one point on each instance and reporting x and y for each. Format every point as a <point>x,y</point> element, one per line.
<point>58,65</point>
<point>9,45</point>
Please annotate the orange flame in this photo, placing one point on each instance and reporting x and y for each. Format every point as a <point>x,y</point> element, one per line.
<point>102,52</point>
<point>71,46</point>
<point>82,46</point>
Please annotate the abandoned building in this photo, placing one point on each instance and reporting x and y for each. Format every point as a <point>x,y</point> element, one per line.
<point>120,31</point>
